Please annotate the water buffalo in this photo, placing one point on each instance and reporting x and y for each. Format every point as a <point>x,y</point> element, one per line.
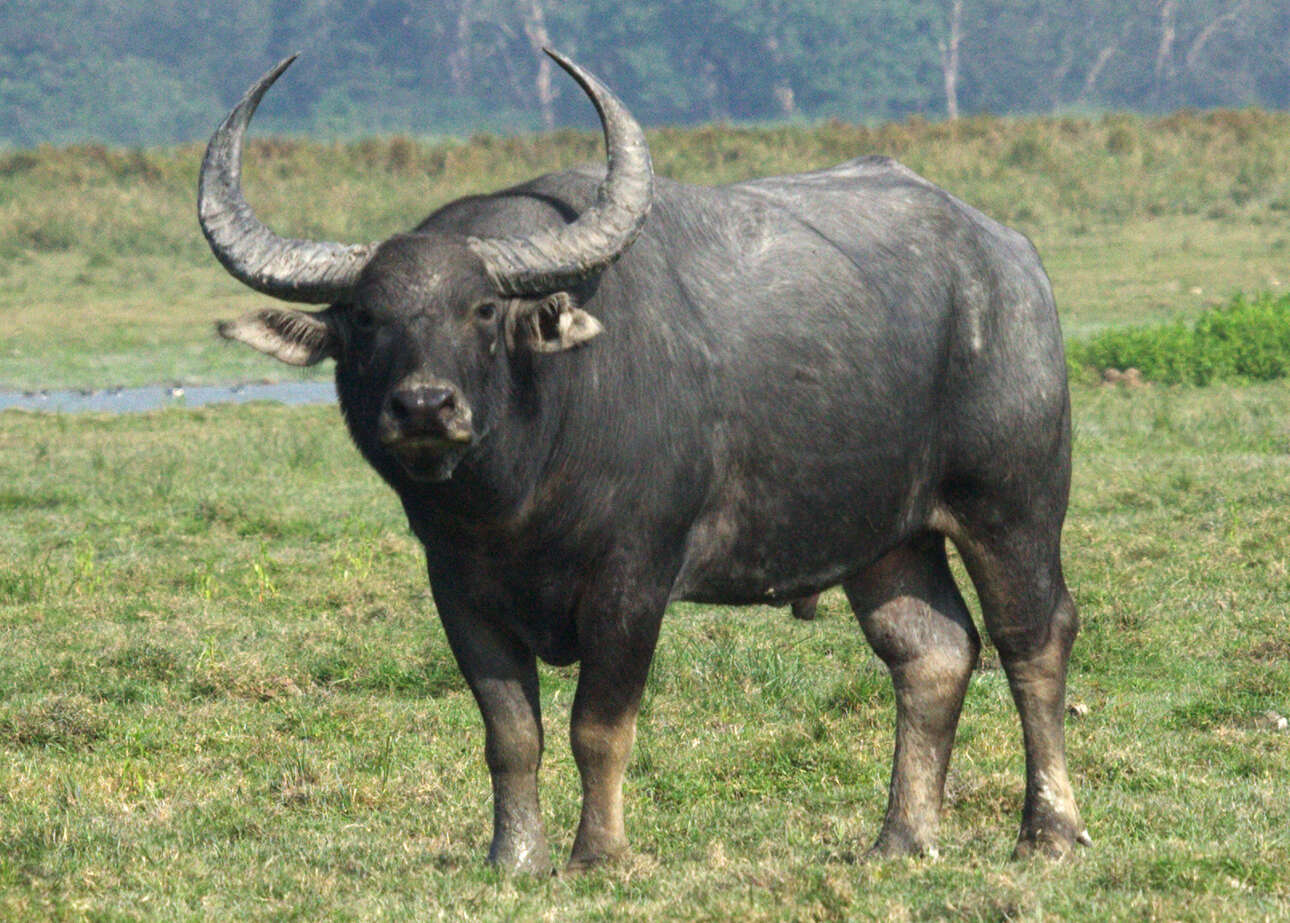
<point>599,392</point>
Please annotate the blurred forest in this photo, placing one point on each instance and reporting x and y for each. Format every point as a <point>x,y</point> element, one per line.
<point>156,71</point>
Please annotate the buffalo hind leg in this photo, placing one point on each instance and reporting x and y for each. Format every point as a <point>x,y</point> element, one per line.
<point>616,654</point>
<point>502,674</point>
<point>1031,618</point>
<point>914,618</point>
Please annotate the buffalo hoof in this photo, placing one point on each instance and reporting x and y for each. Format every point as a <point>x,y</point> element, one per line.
<point>903,845</point>
<point>584,862</point>
<point>531,862</point>
<point>1056,844</point>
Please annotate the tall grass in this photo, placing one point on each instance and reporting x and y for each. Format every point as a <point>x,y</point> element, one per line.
<point>105,278</point>
<point>113,202</point>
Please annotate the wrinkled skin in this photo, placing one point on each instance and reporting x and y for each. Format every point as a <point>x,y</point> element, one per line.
<point>782,385</point>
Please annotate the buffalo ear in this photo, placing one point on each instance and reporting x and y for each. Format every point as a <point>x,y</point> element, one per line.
<point>293,337</point>
<point>549,325</point>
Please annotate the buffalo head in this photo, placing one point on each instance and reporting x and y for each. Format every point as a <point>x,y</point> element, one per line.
<point>423,325</point>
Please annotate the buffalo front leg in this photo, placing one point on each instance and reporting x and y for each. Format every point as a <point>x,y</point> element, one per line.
<point>615,662</point>
<point>502,674</point>
<point>916,622</point>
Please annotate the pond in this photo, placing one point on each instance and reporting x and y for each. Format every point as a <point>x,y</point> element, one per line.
<point>134,400</point>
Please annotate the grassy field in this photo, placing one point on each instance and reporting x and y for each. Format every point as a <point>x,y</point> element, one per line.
<point>106,280</point>
<point>224,694</point>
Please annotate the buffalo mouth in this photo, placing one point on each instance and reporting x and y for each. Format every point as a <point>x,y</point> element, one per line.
<point>427,458</point>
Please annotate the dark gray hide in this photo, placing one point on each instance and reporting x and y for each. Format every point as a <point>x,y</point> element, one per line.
<point>779,386</point>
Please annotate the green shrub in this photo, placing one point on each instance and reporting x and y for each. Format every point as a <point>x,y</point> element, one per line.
<point>1245,340</point>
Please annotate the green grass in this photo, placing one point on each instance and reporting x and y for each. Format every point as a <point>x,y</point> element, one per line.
<point>223,694</point>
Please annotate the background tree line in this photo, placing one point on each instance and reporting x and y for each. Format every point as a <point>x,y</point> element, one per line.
<point>152,71</point>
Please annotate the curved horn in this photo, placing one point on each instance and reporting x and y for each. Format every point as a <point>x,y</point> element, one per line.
<point>293,270</point>
<point>555,259</point>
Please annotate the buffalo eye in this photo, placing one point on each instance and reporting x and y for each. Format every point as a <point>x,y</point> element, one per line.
<point>362,319</point>
<point>486,311</point>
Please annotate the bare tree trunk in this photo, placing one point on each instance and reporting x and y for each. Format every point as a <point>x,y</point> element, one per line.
<point>714,90</point>
<point>1058,77</point>
<point>781,91</point>
<point>1090,79</point>
<point>1202,39</point>
<point>950,59</point>
<point>459,61</point>
<point>539,38</point>
<point>1168,35</point>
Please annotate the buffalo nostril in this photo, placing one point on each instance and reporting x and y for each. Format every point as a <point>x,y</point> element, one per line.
<point>422,408</point>
<point>443,400</point>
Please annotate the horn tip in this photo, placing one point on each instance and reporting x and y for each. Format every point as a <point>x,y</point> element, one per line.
<point>284,63</point>
<point>563,60</point>
<point>274,73</point>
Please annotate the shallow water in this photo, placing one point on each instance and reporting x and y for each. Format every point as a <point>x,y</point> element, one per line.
<point>134,400</point>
